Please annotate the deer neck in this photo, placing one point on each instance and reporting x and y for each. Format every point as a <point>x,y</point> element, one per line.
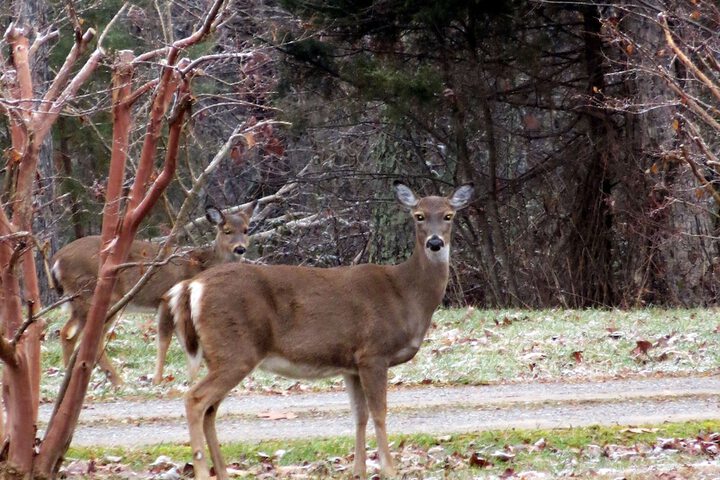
<point>207,256</point>
<point>426,277</point>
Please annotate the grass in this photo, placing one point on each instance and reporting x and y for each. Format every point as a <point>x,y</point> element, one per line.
<point>579,452</point>
<point>463,346</point>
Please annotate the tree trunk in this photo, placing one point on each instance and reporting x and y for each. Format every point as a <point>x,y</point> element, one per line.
<point>589,245</point>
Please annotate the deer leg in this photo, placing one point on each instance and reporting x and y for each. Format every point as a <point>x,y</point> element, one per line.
<point>104,361</point>
<point>373,379</point>
<point>204,395</point>
<point>164,336</point>
<point>107,366</point>
<point>70,332</point>
<point>360,412</point>
<point>213,443</point>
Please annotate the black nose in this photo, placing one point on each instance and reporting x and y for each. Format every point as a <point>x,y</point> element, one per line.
<point>435,243</point>
<point>239,250</point>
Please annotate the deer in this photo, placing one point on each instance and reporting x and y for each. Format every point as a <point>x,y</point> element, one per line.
<point>75,268</point>
<point>310,322</point>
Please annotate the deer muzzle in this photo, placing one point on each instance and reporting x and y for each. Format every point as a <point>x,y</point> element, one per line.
<point>435,243</point>
<point>239,250</point>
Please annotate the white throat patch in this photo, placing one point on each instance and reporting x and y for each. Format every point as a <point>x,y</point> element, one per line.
<point>441,256</point>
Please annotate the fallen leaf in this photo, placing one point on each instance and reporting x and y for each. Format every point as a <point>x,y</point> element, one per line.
<point>540,444</point>
<point>642,347</point>
<point>478,461</point>
<point>277,415</point>
<point>578,356</point>
<point>639,430</point>
<point>502,456</point>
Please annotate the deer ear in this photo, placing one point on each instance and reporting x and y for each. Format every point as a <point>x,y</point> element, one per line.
<point>214,215</point>
<point>460,198</point>
<point>250,209</point>
<point>404,195</point>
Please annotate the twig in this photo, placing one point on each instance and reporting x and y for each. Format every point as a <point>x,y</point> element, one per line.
<point>685,60</point>
<point>31,318</point>
<point>167,260</point>
<point>42,40</point>
<point>15,236</point>
<point>110,24</point>
<point>210,58</point>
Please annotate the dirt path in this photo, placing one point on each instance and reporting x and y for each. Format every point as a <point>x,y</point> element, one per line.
<point>413,410</point>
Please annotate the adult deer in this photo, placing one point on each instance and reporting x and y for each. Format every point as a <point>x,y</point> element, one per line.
<point>308,322</point>
<point>75,269</point>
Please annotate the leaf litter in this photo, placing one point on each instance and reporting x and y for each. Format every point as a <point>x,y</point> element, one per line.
<point>665,457</point>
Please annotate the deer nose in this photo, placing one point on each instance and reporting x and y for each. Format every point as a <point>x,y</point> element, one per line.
<point>435,243</point>
<point>239,250</point>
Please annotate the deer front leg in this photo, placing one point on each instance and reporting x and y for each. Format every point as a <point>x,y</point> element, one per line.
<point>107,366</point>
<point>164,336</point>
<point>360,413</point>
<point>373,379</point>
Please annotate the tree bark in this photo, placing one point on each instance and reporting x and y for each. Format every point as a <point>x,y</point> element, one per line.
<point>589,244</point>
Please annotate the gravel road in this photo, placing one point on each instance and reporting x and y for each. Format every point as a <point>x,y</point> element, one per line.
<point>411,410</point>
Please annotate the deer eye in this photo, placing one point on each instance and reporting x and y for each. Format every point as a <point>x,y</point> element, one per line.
<point>227,231</point>
<point>448,217</point>
<point>419,217</point>
<point>245,231</point>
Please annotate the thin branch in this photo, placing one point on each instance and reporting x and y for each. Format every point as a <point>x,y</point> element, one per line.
<point>307,222</point>
<point>193,39</point>
<point>142,281</point>
<point>713,160</point>
<point>153,263</point>
<point>15,236</point>
<point>209,58</point>
<point>62,77</point>
<point>30,320</point>
<point>685,60</point>
<point>110,25</point>
<point>41,40</point>
<point>140,91</point>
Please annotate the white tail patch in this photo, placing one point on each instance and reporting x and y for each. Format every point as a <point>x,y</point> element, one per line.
<point>196,291</point>
<point>56,270</point>
<point>173,296</point>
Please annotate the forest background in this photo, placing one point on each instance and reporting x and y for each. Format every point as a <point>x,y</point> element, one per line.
<point>589,140</point>
<point>590,131</point>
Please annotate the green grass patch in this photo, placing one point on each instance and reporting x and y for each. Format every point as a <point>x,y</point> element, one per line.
<point>558,452</point>
<point>463,346</point>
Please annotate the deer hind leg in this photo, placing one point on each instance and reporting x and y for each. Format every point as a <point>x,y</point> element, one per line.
<point>373,379</point>
<point>213,443</point>
<point>360,412</point>
<point>201,403</point>
<point>164,336</point>
<point>70,332</point>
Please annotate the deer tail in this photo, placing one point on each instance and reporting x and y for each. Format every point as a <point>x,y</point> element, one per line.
<point>183,300</point>
<point>54,278</point>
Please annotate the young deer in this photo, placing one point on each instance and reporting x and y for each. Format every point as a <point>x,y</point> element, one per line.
<point>307,322</point>
<point>75,269</point>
